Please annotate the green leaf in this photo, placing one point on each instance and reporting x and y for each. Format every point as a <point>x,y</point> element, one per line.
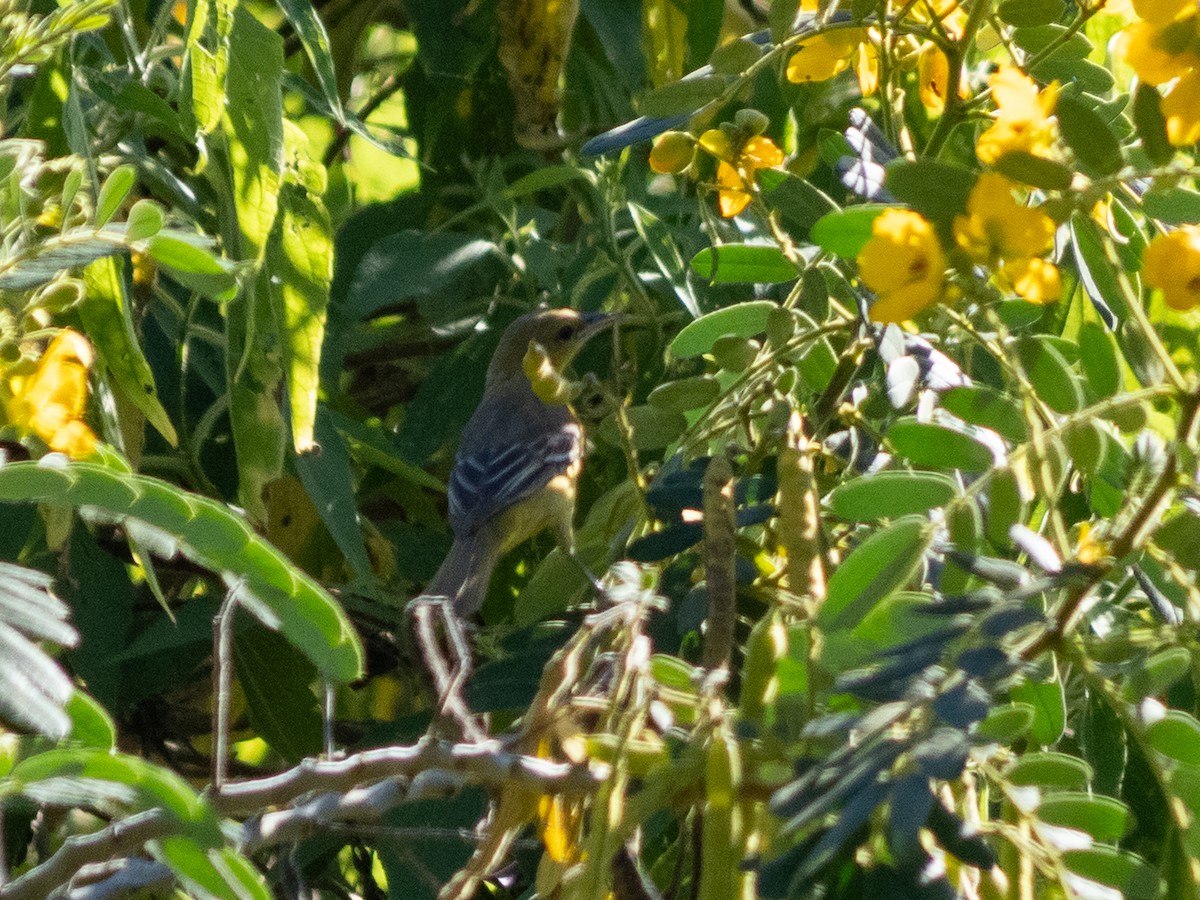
<point>935,189</point>
<point>196,864</point>
<point>1050,772</point>
<point>1036,171</point>
<point>277,682</point>
<point>1006,724</point>
<point>300,258</point>
<point>987,407</point>
<point>1176,735</point>
<point>107,318</point>
<point>145,220</point>
<point>889,495</point>
<point>1082,73</point>
<point>1038,38</point>
<point>311,31</point>
<point>1095,269</point>
<point>681,97</point>
<point>1130,875</point>
<point>743,263</point>
<point>193,266</point>
<point>735,57</point>
<point>1180,537</point>
<point>1160,672</point>
<point>206,59</point>
<point>1098,355</point>
<point>1006,507</point>
<point>1105,819</point>
<point>1087,445</point>
<point>113,193</point>
<point>44,261</point>
<point>1031,12</point>
<point>742,319</point>
<point>885,562</point>
<point>1088,135</point>
<point>91,725</point>
<point>1172,206</point>
<point>210,535</point>
<point>152,785</point>
<point>1050,374</point>
<point>799,204</point>
<point>1049,705</point>
<point>375,445</point>
<point>653,427</point>
<point>686,393</point>
<point>844,233</point>
<point>664,250</point>
<point>437,269</point>
<point>934,446</point>
<point>1151,124</point>
<point>328,480</point>
<point>254,133</point>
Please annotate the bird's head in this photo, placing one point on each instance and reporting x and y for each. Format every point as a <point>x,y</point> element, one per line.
<point>560,333</point>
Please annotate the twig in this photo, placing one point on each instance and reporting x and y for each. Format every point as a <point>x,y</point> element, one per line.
<point>720,536</point>
<point>448,680</point>
<point>486,763</point>
<point>223,684</point>
<point>119,839</point>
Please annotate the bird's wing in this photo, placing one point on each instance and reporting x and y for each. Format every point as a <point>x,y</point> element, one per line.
<point>507,455</point>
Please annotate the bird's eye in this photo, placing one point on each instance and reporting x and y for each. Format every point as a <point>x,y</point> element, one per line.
<point>566,332</point>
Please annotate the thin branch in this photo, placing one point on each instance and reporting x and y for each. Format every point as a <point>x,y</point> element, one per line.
<point>486,763</point>
<point>119,839</point>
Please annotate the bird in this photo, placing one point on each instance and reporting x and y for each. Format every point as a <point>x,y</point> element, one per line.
<point>519,457</point>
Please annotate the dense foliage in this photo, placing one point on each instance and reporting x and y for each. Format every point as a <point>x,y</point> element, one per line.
<point>892,463</point>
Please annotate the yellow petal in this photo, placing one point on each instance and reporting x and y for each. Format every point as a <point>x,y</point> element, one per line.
<point>1172,264</point>
<point>1035,280</point>
<point>903,264</point>
<point>820,58</point>
<point>761,152</point>
<point>933,73</point>
<point>1181,109</point>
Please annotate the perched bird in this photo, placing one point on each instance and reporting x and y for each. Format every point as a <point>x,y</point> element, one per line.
<point>519,457</point>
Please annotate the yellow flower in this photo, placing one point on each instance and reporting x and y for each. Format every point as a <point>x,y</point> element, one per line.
<point>1181,109</point>
<point>1159,12</point>
<point>51,402</point>
<point>933,77</point>
<point>903,264</point>
<point>820,58</point>
<point>866,65</point>
<point>1023,116</point>
<point>1033,279</point>
<point>737,167</point>
<point>1172,264</point>
<point>1165,46</point>
<point>996,226</point>
<point>1000,232</point>
<point>1159,52</point>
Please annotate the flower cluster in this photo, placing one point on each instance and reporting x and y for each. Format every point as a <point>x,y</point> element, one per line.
<point>832,52</point>
<point>1010,238</point>
<point>50,401</point>
<point>1164,47</point>
<point>1024,117</point>
<point>740,151</point>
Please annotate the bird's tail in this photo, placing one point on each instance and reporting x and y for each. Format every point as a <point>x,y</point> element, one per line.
<point>465,574</point>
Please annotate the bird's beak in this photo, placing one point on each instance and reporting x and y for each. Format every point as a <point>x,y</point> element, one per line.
<point>595,322</point>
